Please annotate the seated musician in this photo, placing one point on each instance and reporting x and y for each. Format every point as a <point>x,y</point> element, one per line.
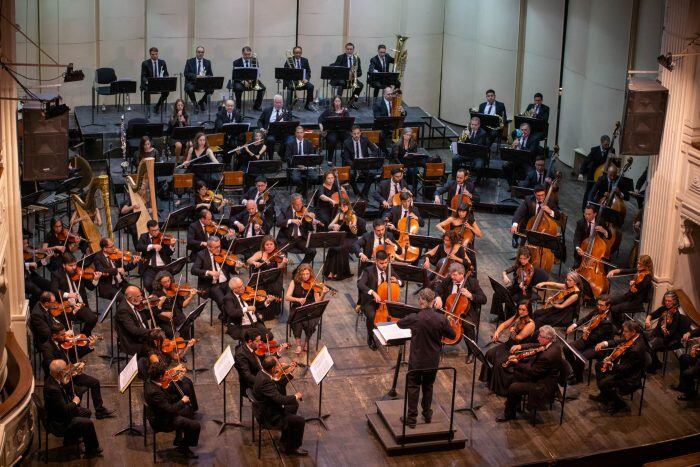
<point>248,60</point>
<point>427,331</point>
<point>380,63</point>
<point>58,241</point>
<point>405,209</point>
<point>294,224</point>
<point>168,413</point>
<point>463,216</point>
<point>349,60</point>
<point>269,257</point>
<point>297,295</point>
<point>406,144</point>
<point>333,137</point>
<point>359,146</point>
<point>449,248</point>
<point>204,198</point>
<point>127,207</point>
<point>595,158</point>
<point>528,209</point>
<point>604,185</point>
<point>179,119</point>
<point>669,329</point>
<point>242,316</point>
<point>146,149</point>
<point>250,222</point>
<point>585,228</point>
<point>263,196</point>
<point>246,358</point>
<point>473,135</point>
<point>596,327</point>
<point>41,319</point>
<point>64,415</point>
<point>153,68</point>
<point>689,367</point>
<point>337,265</point>
<point>278,409</point>
<point>299,146</point>
<point>272,114</point>
<point>537,109</point>
<point>194,67</point>
<point>493,107</point>
<point>540,176</point>
<point>458,186</point>
<point>170,308</point>
<point>367,284</point>
<point>156,255</point>
<point>521,329</point>
<point>253,152</point>
<point>382,108</point>
<point>325,205</point>
<point>34,284</point>
<point>52,350</point>
<point>67,284</point>
<point>198,232</point>
<point>525,277</point>
<point>368,243</point>
<point>561,308</point>
<point>300,63</point>
<point>223,117</point>
<point>200,149</point>
<point>620,372</point>
<point>112,278</point>
<point>212,276</point>
<point>637,293</point>
<point>519,168</point>
<point>389,187</point>
<point>132,322</point>
<point>468,286</point>
<point>535,376</point>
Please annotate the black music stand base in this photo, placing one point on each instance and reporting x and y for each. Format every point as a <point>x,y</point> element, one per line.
<point>392,394</point>
<point>321,417</point>
<point>130,429</point>
<point>223,423</point>
<point>472,408</point>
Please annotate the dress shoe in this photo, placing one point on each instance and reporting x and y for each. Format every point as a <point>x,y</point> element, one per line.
<point>297,452</point>
<point>92,453</point>
<point>371,344</point>
<point>187,453</point>
<point>428,416</point>
<point>504,418</point>
<point>409,422</point>
<point>686,397</point>
<point>103,412</point>
<point>514,242</point>
<point>156,110</point>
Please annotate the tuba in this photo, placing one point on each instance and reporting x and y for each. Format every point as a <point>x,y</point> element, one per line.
<point>144,178</point>
<point>401,55</point>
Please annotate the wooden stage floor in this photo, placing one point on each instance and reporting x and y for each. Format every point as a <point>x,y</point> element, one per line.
<point>361,376</point>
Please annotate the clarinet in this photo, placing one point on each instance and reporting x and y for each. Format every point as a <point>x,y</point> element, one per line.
<point>124,163</point>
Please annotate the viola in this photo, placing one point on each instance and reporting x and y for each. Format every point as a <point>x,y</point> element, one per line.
<point>64,235</point>
<point>269,347</point>
<point>178,343</point>
<point>214,198</point>
<point>146,302</point>
<point>641,275</point>
<point>305,215</point>
<point>524,276</point>
<point>87,274</point>
<point>522,355</point>
<point>617,353</point>
<point>184,290</point>
<point>81,340</point>
<point>259,295</point>
<point>58,308</point>
<point>166,239</point>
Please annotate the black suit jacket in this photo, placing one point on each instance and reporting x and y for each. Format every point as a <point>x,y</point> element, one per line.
<point>451,189</point>
<point>543,369</point>
<point>384,188</point>
<point>60,409</point>
<point>147,71</point>
<point>342,60</point>
<point>395,213</point>
<point>59,285</point>
<point>601,187</point>
<point>596,156</point>
<point>602,332</point>
<point>163,411</point>
<point>103,265</point>
<point>581,232</point>
<point>50,352</point>
<point>202,264</point>
<point>481,137</point>
<point>195,236</point>
<point>264,120</point>
<point>368,148</point>
<point>500,109</point>
<point>376,65</point>
<point>629,367</point>
<point>191,71</point>
<point>285,233</point>
<point>132,335</point>
<point>253,192</point>
<point>365,244</point>
<point>444,290</point>
<point>304,62</point>
<point>222,119</point>
<point>543,113</point>
<point>238,63</point>
<point>292,149</point>
<point>369,280</point>
<point>40,322</point>
<point>532,179</point>
<point>427,327</point>
<point>243,217</point>
<point>527,208</point>
<point>247,364</point>
<point>272,400</point>
<point>379,109</point>
<point>166,253</point>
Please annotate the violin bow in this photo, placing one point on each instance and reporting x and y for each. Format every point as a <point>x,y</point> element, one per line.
<point>63,307</point>
<point>172,313</point>
<point>269,188</point>
<point>213,193</point>
<point>75,349</point>
<point>314,282</point>
<point>150,310</point>
<point>270,354</point>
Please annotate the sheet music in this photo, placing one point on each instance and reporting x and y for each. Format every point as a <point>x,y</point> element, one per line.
<point>223,365</point>
<point>128,374</point>
<point>321,365</point>
<point>391,332</point>
<point>453,147</point>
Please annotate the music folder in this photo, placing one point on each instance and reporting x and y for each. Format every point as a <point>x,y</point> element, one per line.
<point>391,334</point>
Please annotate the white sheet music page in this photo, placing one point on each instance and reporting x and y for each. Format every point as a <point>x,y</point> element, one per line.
<point>321,365</point>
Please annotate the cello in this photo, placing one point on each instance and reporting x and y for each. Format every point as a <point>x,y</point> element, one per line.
<point>542,223</point>
<point>458,305</point>
<point>387,291</point>
<point>407,226</point>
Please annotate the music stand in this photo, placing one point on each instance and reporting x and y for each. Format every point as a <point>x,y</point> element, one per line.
<point>186,133</point>
<point>267,276</point>
<point>367,163</point>
<point>537,125</point>
<point>163,169</point>
<point>333,73</point>
<point>189,323</point>
<point>388,124</point>
<point>124,222</point>
<point>318,376</point>
<point>307,160</point>
<point>424,241</point>
<point>31,198</point>
<point>520,192</point>
<point>431,211</point>
<point>122,87</point>
<point>544,240</point>
<point>471,151</point>
<point>229,362</point>
<point>487,120</point>
<point>263,167</point>
<point>208,84</point>
<point>68,185</point>
<point>338,124</point>
<point>478,354</point>
<point>152,130</point>
<point>243,245</point>
<point>233,131</point>
<point>398,310</point>
<point>159,85</point>
<point>244,74</point>
<point>408,273</point>
<point>281,129</point>
<point>608,214</point>
<point>502,293</point>
<point>324,240</point>
<point>100,319</point>
<point>174,267</point>
<point>304,314</point>
<point>288,74</point>
<point>206,171</point>
<point>383,78</point>
<point>414,159</point>
<point>126,377</point>
<point>518,155</point>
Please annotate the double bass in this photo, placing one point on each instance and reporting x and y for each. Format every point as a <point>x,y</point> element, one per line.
<point>544,257</point>
<point>603,168</point>
<point>592,265</point>
<point>387,291</point>
<point>614,201</point>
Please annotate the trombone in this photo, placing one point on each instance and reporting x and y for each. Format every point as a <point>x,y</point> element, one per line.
<point>256,64</point>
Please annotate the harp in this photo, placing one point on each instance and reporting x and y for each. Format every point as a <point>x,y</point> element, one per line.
<point>142,190</point>
<point>86,208</point>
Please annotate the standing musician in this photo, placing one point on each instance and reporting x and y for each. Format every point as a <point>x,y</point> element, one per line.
<point>380,63</point>
<point>294,224</point>
<point>460,185</point>
<point>248,60</point>
<point>689,367</point>
<point>584,229</point>
<point>227,115</point>
<point>53,350</point>
<point>112,277</point>
<point>68,284</point>
<point>669,329</point>
<point>324,203</point>
<point>633,299</point>
<point>168,413</point>
<point>197,66</point>
<point>64,415</point>
<point>518,169</point>
<point>471,289</point>
<point>178,119</point>
<point>212,275</point>
<point>351,60</point>
<point>204,198</point>
<point>332,137</point>
<point>337,265</point>
<point>279,409</point>
<point>367,284</point>
<point>536,377</point>
<point>260,193</point>
<point>251,222</point>
<point>275,113</point>
<point>473,135</point>
<point>241,317</point>
<point>269,257</point>
<point>521,329</point>
<point>603,186</point>
<point>537,109</point>
<point>132,322</point>
<point>427,330</point>
<point>156,254</point>
<point>170,308</point>
<point>406,144</point>
<point>493,107</point>
<point>389,187</point>
<point>299,62</point>
<point>299,146</point>
<point>561,308</point>
<point>596,326</point>
<point>382,108</point>
<point>359,146</point>
<point>620,373</point>
<point>302,291</point>
<point>596,157</point>
<point>367,244</point>
<point>41,319</point>
<point>405,209</point>
<point>153,68</point>
<point>529,208</point>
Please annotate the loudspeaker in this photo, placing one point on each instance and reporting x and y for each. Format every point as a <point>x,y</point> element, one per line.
<point>45,155</point>
<point>645,114</point>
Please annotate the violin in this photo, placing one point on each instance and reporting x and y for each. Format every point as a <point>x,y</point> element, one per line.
<point>617,353</point>
<point>81,340</point>
<point>318,287</point>
<point>87,274</point>
<point>228,258</point>
<point>524,275</point>
<point>146,302</point>
<point>58,308</point>
<point>641,275</point>
<point>284,370</point>
<point>124,256</point>
<point>560,297</point>
<point>184,290</point>
<point>594,323</point>
<point>177,344</point>
<point>166,239</point>
<point>172,375</point>
<point>220,230</point>
<point>269,347</point>
<point>71,370</point>
<point>522,355</point>
<point>65,235</point>
<point>31,253</point>
<point>259,295</point>
<point>305,215</point>
<point>213,198</point>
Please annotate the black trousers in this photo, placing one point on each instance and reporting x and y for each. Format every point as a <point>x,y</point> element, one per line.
<point>93,384</point>
<point>621,304</point>
<point>370,310</point>
<point>611,385</point>
<point>238,89</point>
<point>189,90</point>
<point>217,292</point>
<point>415,382</point>
<point>689,372</point>
<point>516,391</point>
<point>82,428</point>
<point>308,87</point>
<point>88,318</point>
<point>299,246</point>
<point>161,100</point>
<point>186,431</point>
<point>292,431</point>
<point>148,275</point>
<point>339,86</point>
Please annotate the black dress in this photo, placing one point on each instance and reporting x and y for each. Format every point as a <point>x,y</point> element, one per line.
<point>273,286</point>
<point>178,313</point>
<point>338,258</point>
<point>498,378</point>
<point>557,317</point>
<point>308,326</point>
<point>324,209</point>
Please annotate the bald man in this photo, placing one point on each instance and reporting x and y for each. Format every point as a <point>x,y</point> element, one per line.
<point>228,114</point>
<point>246,228</point>
<point>131,322</point>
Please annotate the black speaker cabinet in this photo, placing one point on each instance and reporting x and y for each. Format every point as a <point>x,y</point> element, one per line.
<point>645,114</point>
<point>45,155</point>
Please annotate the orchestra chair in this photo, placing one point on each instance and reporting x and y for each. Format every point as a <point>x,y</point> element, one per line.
<point>233,184</point>
<point>215,141</point>
<point>269,428</point>
<point>183,183</point>
<point>564,372</point>
<point>433,175</point>
<point>386,170</point>
<point>372,135</point>
<point>149,415</point>
<point>43,422</point>
<point>103,76</point>
<point>241,395</point>
<point>684,325</point>
<point>416,134</point>
<point>642,384</point>
<point>563,220</point>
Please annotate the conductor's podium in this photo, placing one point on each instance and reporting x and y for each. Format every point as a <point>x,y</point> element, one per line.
<point>425,437</point>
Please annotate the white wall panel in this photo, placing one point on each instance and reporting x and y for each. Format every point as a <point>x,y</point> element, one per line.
<point>274,27</point>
